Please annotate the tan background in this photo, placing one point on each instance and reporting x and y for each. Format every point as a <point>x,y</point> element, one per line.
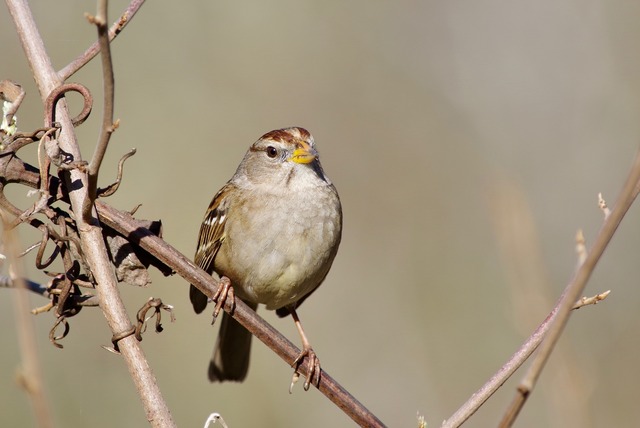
<point>468,141</point>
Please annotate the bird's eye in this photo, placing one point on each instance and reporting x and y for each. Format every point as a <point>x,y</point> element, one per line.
<point>272,152</point>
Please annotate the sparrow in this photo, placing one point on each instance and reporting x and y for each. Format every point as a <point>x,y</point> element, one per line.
<point>270,234</point>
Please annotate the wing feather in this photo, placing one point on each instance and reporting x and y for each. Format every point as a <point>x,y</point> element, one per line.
<point>209,241</point>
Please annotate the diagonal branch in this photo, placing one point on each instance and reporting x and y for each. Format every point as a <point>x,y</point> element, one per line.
<point>567,301</point>
<point>514,363</point>
<point>574,290</point>
<point>124,224</point>
<point>137,233</point>
<point>93,50</point>
<point>92,241</point>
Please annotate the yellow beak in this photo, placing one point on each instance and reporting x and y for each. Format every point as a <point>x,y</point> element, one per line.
<point>303,153</point>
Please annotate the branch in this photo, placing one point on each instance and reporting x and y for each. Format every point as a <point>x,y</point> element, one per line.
<point>137,233</point>
<point>96,256</point>
<point>93,50</point>
<point>568,299</point>
<point>124,224</point>
<point>574,289</point>
<point>108,125</point>
<point>91,238</point>
<point>514,363</point>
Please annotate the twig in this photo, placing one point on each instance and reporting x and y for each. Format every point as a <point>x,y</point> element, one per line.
<point>531,344</point>
<point>514,363</point>
<point>573,291</point>
<point>108,126</point>
<point>124,224</point>
<point>593,300</point>
<point>93,50</point>
<point>137,233</point>
<point>91,238</point>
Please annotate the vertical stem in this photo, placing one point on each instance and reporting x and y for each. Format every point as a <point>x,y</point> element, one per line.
<point>88,228</point>
<point>108,85</point>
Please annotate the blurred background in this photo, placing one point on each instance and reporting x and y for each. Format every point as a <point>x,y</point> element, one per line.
<point>468,141</point>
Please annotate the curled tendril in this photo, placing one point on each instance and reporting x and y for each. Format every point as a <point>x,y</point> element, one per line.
<point>57,93</point>
<point>112,188</point>
<point>156,305</point>
<point>52,333</point>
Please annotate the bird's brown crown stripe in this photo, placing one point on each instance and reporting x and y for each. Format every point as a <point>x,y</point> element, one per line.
<point>286,136</point>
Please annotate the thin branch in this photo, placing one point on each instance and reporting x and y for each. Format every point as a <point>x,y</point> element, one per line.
<point>137,233</point>
<point>514,363</point>
<point>91,237</point>
<point>127,226</point>
<point>531,344</point>
<point>96,257</point>
<point>108,85</point>
<point>573,291</point>
<point>93,50</point>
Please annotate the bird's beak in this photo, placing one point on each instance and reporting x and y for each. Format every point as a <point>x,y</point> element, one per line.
<point>304,153</point>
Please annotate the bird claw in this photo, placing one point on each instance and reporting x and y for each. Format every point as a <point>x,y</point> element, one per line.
<point>313,369</point>
<point>225,291</point>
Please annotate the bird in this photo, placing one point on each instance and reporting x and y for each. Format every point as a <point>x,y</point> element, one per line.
<point>270,234</point>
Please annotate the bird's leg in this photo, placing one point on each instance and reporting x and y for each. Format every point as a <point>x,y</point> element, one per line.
<point>313,363</point>
<point>224,292</point>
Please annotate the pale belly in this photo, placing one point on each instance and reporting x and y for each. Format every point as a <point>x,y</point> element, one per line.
<point>294,253</point>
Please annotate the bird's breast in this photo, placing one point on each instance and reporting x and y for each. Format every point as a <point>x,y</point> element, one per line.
<point>284,247</point>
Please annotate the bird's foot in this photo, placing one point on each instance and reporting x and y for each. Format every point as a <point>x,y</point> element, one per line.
<point>225,292</point>
<point>313,369</point>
